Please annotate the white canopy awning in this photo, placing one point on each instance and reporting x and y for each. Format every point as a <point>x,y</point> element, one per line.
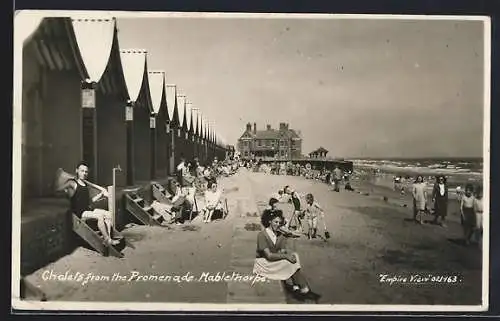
<point>205,127</point>
<point>171,93</point>
<point>195,113</point>
<point>156,86</point>
<point>181,104</point>
<point>95,39</point>
<point>199,120</point>
<point>208,127</point>
<point>134,64</point>
<point>189,115</point>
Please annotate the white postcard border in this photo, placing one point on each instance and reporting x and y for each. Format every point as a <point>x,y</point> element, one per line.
<point>24,15</point>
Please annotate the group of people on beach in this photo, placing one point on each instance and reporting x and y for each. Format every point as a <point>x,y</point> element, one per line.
<point>193,179</point>
<point>334,177</point>
<point>277,262</point>
<point>274,259</point>
<point>470,204</point>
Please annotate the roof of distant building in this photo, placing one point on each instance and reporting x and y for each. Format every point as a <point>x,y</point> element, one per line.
<point>271,134</point>
<point>318,151</point>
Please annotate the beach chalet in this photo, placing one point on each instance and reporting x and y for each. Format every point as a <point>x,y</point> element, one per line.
<point>211,143</point>
<point>220,144</point>
<point>85,98</point>
<point>159,160</point>
<point>139,110</point>
<point>180,148</point>
<point>318,153</point>
<point>205,138</point>
<point>171,94</point>
<point>104,96</point>
<point>70,95</point>
<point>52,75</point>
<point>185,125</point>
<point>201,143</point>
<point>190,132</point>
<point>220,149</point>
<point>196,131</point>
<point>209,140</point>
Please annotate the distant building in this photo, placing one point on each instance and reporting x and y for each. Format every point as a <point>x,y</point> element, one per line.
<point>282,143</point>
<point>318,153</point>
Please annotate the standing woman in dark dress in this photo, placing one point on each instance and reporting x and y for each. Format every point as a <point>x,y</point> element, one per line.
<point>440,200</point>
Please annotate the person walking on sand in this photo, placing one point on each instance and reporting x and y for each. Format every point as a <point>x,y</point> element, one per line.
<point>478,210</point>
<point>312,212</point>
<point>440,200</point>
<point>419,199</point>
<point>459,192</point>
<point>337,177</point>
<point>468,216</point>
<point>295,222</point>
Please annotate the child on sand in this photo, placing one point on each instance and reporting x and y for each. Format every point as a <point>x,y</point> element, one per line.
<point>312,211</point>
<point>295,221</point>
<point>273,202</point>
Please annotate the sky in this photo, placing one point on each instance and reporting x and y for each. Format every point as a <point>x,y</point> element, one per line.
<point>357,87</point>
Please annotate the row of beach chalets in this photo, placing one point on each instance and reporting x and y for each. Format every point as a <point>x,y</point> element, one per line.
<point>99,123</point>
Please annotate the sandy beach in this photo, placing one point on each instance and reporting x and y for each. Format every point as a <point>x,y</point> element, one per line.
<point>370,238</point>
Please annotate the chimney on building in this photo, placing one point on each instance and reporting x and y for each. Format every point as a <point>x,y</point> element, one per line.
<point>255,128</point>
<point>249,127</point>
<point>268,127</point>
<point>287,126</point>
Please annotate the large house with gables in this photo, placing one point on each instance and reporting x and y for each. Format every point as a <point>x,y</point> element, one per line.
<point>281,143</point>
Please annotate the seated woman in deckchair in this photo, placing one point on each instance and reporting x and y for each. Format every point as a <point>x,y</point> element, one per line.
<point>274,261</point>
<point>213,203</point>
<point>180,203</point>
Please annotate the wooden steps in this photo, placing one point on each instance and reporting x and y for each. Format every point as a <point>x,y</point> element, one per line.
<point>139,208</point>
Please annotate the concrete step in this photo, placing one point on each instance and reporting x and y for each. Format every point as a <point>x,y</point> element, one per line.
<point>242,261</point>
<point>256,293</point>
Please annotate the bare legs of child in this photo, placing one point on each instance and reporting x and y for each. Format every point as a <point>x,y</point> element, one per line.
<point>312,223</point>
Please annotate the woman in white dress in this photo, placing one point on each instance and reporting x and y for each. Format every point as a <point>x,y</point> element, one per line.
<point>478,210</point>
<point>213,202</point>
<point>274,261</point>
<point>419,199</point>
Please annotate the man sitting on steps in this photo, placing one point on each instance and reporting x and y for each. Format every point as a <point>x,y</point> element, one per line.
<point>78,191</point>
